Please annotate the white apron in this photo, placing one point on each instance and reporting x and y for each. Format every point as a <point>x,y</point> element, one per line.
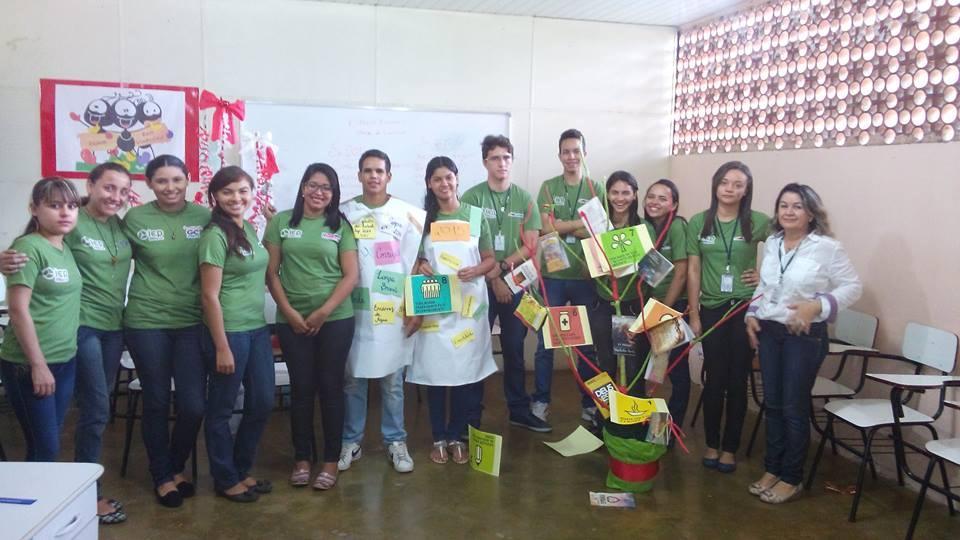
<point>452,349</point>
<point>381,349</point>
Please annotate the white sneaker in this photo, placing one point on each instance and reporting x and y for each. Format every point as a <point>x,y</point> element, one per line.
<point>397,453</point>
<point>348,454</point>
<point>588,413</point>
<point>540,409</point>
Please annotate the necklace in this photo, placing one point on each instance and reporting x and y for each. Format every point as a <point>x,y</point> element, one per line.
<point>166,219</point>
<point>113,239</point>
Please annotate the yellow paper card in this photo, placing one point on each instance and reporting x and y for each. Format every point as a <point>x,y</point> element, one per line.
<point>365,229</point>
<point>450,231</point>
<point>450,260</point>
<point>383,312</point>
<point>463,338</point>
<point>430,324</point>
<point>470,305</point>
<point>601,386</point>
<point>628,410</point>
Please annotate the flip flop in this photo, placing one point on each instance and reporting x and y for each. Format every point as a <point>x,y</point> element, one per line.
<point>300,477</point>
<point>324,481</point>
<point>117,516</point>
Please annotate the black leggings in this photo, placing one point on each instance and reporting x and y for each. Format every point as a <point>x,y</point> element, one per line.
<point>727,357</point>
<point>316,365</point>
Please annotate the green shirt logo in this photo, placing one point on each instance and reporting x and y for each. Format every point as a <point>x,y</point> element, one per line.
<point>291,233</point>
<point>192,232</point>
<point>150,235</point>
<point>56,275</point>
<point>93,243</point>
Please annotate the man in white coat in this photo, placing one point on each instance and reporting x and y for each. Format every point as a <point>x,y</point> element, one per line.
<point>388,233</point>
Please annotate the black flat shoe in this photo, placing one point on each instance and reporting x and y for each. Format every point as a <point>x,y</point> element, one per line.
<point>172,499</point>
<point>262,487</point>
<point>186,489</point>
<point>247,496</point>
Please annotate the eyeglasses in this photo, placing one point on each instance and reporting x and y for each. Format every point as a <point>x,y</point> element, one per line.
<point>506,158</point>
<point>312,187</point>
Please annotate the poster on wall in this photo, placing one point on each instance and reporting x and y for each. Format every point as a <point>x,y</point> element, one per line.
<point>83,124</point>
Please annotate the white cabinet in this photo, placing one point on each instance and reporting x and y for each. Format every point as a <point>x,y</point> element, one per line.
<point>66,500</point>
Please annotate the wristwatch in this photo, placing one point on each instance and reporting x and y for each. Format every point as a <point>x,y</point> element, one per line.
<point>504,266</point>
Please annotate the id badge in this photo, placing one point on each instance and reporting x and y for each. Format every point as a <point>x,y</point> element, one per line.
<point>570,239</point>
<point>499,243</point>
<point>774,295</point>
<point>726,282</point>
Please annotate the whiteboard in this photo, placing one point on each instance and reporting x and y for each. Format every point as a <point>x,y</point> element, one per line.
<point>306,134</point>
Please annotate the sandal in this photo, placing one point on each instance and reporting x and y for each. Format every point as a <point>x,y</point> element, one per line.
<point>757,487</point>
<point>324,481</point>
<point>768,496</point>
<point>300,477</point>
<point>117,516</point>
<point>439,453</point>
<point>459,452</point>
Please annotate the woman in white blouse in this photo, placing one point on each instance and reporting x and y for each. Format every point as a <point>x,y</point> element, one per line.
<point>805,279</point>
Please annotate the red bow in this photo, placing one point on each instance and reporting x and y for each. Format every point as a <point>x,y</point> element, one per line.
<point>234,110</point>
<point>270,167</point>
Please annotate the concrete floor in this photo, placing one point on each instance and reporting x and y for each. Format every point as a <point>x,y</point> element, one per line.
<point>539,494</point>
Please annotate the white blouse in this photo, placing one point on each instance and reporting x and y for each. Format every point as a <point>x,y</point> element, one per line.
<point>817,268</point>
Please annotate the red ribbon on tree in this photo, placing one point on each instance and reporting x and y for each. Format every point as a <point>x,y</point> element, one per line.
<point>222,107</point>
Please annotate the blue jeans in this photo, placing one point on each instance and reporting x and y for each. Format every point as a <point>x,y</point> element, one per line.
<point>159,355</point>
<point>231,459</point>
<point>577,292</point>
<point>40,418</point>
<point>391,412</point>
<point>464,400</point>
<point>789,366</point>
<point>512,334</point>
<point>98,359</point>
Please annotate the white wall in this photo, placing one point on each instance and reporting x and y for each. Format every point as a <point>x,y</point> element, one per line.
<point>612,81</point>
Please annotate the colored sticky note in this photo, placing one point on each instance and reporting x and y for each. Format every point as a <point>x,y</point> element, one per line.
<point>476,214</point>
<point>470,304</point>
<point>628,410</point>
<point>601,385</point>
<point>464,337</point>
<point>579,442</point>
<point>365,229</point>
<point>361,298</point>
<point>625,247</point>
<point>480,312</point>
<point>450,260</point>
<point>383,312</point>
<point>386,252</point>
<point>430,324</point>
<point>485,451</point>
<point>389,283</point>
<point>449,231</point>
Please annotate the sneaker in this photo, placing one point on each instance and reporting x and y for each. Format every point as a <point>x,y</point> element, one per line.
<point>539,409</point>
<point>588,413</point>
<point>348,454</point>
<point>531,422</point>
<point>397,453</point>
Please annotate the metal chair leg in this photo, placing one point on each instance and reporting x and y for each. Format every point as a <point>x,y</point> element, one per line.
<point>921,496</point>
<point>867,457</point>
<point>827,432</point>
<point>873,469</point>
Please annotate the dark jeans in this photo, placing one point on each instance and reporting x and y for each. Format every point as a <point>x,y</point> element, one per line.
<point>41,419</point>
<point>601,326</point>
<point>98,359</point>
<point>231,459</point>
<point>159,355</point>
<point>452,426</point>
<point>512,334</point>
<point>316,365</point>
<point>789,366</point>
<point>576,292</point>
<point>727,356</point>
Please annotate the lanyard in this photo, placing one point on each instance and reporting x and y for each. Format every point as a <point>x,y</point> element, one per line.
<point>573,203</point>
<point>783,267</point>
<point>495,199</point>
<point>726,246</point>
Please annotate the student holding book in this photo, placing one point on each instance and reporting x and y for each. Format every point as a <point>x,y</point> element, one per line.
<point>232,277</point>
<point>313,267</point>
<point>721,273</point>
<point>453,352</point>
<point>163,323</point>
<point>806,279</point>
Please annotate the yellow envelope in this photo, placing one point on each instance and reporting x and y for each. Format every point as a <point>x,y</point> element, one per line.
<point>628,410</point>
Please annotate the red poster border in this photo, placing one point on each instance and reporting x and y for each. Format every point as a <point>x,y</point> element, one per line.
<point>48,135</point>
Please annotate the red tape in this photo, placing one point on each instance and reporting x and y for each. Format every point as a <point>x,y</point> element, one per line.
<point>634,472</point>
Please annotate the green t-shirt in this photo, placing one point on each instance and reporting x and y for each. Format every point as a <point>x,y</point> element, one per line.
<point>626,285</point>
<point>561,201</point>
<point>485,242</point>
<point>508,213</point>
<point>244,278</point>
<point>310,262</point>
<point>713,256</point>
<point>165,289</point>
<point>56,285</point>
<point>674,248</point>
<point>103,256</point>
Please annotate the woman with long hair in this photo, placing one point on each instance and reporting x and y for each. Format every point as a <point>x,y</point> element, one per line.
<point>453,360</point>
<point>312,270</point>
<point>163,323</point>
<point>805,280</point>
<point>233,268</point>
<point>721,273</point>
